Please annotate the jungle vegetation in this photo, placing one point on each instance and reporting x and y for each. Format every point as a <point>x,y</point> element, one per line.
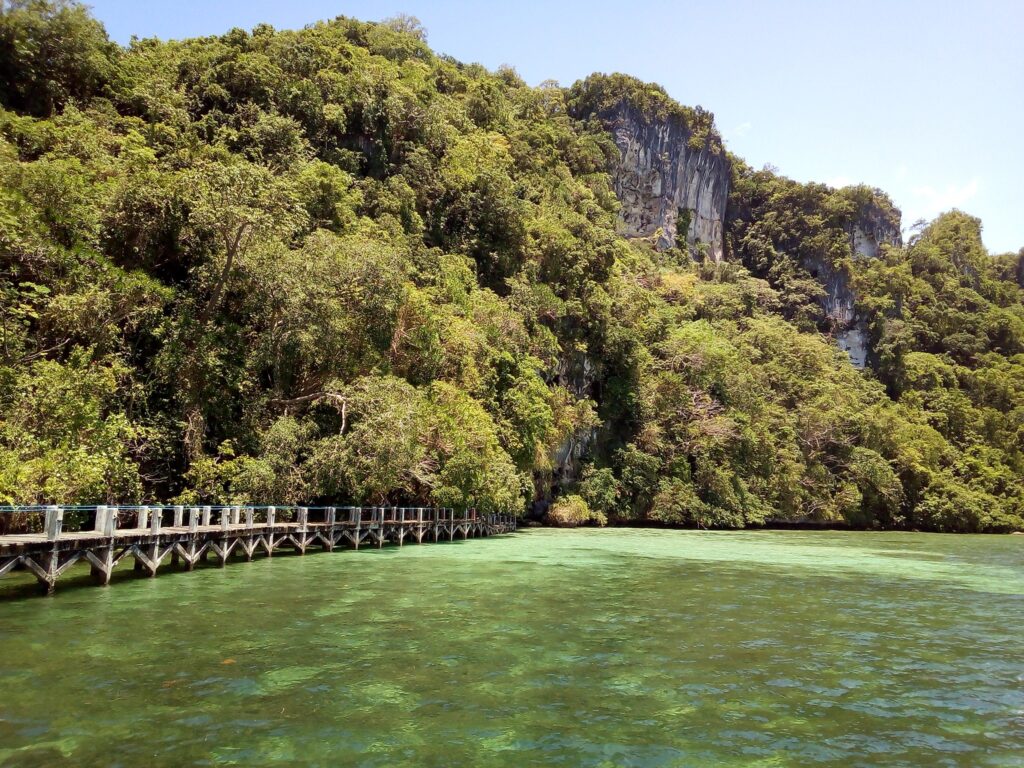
<point>332,265</point>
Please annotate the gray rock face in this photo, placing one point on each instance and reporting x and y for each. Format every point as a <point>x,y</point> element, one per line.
<point>854,342</point>
<point>839,304</point>
<point>872,228</point>
<point>578,374</point>
<point>660,180</point>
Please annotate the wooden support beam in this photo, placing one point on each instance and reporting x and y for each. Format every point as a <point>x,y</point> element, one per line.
<point>9,564</point>
<point>102,561</point>
<point>44,568</point>
<point>47,557</point>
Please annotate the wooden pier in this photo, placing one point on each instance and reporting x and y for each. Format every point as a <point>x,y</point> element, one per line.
<point>189,535</point>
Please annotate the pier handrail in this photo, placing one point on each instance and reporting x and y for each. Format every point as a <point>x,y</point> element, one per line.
<point>53,520</point>
<point>93,533</point>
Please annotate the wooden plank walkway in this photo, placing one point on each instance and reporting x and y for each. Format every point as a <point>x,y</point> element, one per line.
<point>189,535</point>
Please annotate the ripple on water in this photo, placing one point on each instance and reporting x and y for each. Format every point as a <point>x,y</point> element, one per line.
<point>590,648</point>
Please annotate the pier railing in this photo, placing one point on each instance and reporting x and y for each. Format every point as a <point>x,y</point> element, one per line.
<point>104,535</point>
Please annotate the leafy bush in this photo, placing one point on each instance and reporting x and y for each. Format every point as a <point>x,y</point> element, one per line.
<point>572,511</point>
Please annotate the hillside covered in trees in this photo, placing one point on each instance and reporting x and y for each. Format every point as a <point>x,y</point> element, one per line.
<point>332,265</point>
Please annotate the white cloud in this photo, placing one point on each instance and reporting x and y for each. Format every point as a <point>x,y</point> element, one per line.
<point>950,196</point>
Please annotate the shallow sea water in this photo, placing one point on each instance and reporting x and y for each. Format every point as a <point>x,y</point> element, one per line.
<point>561,648</point>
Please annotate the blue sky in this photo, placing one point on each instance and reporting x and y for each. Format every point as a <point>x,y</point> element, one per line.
<point>923,99</point>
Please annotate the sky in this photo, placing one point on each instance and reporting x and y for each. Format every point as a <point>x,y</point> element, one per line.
<point>922,98</point>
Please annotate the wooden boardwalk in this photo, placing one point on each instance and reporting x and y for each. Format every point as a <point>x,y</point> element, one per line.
<point>188,535</point>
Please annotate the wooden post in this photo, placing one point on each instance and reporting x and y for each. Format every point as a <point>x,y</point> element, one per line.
<point>222,546</point>
<point>190,546</point>
<point>54,523</point>
<point>179,519</point>
<point>110,522</point>
<point>47,571</point>
<point>332,516</point>
<point>102,563</point>
<point>300,535</point>
<point>206,516</point>
<point>143,519</point>
<point>248,517</point>
<point>269,538</point>
<point>154,546</point>
<point>101,556</point>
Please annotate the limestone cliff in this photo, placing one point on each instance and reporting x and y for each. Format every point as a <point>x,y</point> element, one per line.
<point>873,226</point>
<point>665,180</point>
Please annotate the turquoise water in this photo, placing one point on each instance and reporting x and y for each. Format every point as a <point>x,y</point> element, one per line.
<point>564,648</point>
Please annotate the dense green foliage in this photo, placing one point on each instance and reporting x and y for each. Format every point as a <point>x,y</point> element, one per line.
<point>332,265</point>
<point>571,511</point>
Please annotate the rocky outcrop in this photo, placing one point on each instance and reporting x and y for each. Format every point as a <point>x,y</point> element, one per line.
<point>840,308</point>
<point>665,184</point>
<point>578,373</point>
<point>873,226</point>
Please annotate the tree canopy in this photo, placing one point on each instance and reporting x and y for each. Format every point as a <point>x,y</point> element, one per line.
<point>331,265</point>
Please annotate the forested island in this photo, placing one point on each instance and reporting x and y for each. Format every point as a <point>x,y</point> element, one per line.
<point>331,265</point>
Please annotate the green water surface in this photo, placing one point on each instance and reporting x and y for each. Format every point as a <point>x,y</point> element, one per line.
<point>562,648</point>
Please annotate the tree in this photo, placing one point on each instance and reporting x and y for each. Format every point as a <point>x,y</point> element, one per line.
<point>52,53</point>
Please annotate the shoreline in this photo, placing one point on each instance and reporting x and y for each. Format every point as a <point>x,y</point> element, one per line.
<point>774,526</point>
